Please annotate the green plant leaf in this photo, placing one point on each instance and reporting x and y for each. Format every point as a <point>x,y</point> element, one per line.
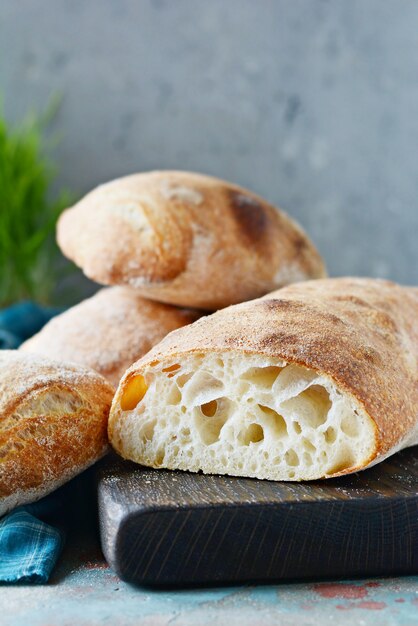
<point>30,265</point>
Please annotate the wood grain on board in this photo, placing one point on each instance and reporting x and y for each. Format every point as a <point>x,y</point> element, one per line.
<point>160,527</point>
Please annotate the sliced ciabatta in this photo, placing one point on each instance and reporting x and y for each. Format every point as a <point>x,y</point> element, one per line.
<point>315,380</point>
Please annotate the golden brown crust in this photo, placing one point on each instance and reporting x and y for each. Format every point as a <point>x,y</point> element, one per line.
<point>362,333</point>
<point>53,421</point>
<point>108,331</point>
<point>186,239</point>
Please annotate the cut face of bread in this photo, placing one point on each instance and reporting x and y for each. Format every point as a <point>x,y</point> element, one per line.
<point>241,415</point>
<point>317,379</point>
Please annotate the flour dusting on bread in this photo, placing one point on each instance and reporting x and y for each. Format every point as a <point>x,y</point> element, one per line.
<point>180,192</point>
<point>317,379</point>
<point>186,239</point>
<point>108,331</point>
<point>53,422</point>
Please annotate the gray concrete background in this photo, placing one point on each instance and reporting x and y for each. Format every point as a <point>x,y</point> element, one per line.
<point>311,103</point>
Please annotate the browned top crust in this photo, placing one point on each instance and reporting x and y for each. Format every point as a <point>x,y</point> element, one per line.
<point>108,331</point>
<point>361,332</point>
<point>53,422</point>
<point>186,239</point>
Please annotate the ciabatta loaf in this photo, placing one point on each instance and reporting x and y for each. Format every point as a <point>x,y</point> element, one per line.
<point>315,380</point>
<point>186,239</point>
<point>108,331</point>
<point>53,421</point>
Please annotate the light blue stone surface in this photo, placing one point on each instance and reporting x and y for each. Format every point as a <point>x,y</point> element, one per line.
<point>92,594</point>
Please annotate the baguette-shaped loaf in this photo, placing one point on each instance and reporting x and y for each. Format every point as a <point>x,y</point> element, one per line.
<point>315,380</point>
<point>53,422</point>
<point>186,239</point>
<point>108,331</point>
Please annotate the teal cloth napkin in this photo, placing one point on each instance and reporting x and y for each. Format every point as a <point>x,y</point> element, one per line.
<point>29,546</point>
<point>21,321</point>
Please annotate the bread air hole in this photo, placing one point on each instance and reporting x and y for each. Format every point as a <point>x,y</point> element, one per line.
<point>171,370</point>
<point>349,426</point>
<point>330,435</point>
<point>209,408</point>
<point>345,461</point>
<point>174,395</point>
<point>293,377</point>
<point>307,459</point>
<point>291,458</point>
<point>311,406</point>
<point>133,392</point>
<point>159,457</point>
<point>182,379</point>
<point>148,430</point>
<point>185,433</point>
<point>308,445</point>
<point>210,417</point>
<point>277,423</point>
<point>262,376</point>
<point>202,388</point>
<point>254,433</point>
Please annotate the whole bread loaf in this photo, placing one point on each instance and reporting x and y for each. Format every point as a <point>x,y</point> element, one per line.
<point>53,423</point>
<point>186,239</point>
<point>315,380</point>
<point>108,331</point>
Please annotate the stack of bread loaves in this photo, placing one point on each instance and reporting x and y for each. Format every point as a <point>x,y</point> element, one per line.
<point>301,383</point>
<point>167,240</point>
<point>173,246</point>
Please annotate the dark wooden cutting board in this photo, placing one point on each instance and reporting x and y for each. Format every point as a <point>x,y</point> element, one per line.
<point>174,528</point>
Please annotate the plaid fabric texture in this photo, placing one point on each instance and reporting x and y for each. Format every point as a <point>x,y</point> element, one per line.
<point>29,547</point>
